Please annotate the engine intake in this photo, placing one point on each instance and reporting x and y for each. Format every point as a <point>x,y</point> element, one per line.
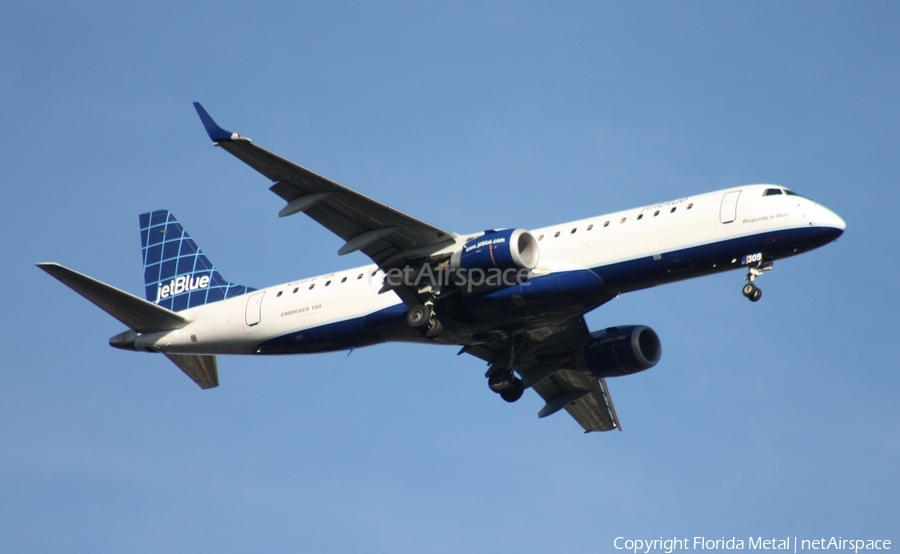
<point>618,351</point>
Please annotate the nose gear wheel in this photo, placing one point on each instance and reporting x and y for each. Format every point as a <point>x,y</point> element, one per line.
<point>750,290</point>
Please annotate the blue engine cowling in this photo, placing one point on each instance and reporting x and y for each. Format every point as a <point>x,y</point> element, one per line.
<point>618,351</point>
<point>506,249</point>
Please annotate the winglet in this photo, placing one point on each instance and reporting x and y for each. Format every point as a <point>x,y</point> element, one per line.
<point>216,133</point>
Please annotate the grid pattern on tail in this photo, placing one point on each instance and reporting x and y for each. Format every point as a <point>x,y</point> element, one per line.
<point>177,275</point>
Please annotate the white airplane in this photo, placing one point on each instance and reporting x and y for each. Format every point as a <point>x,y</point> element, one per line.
<point>514,298</point>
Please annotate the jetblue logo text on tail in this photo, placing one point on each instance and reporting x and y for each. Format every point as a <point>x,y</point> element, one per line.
<point>177,275</point>
<point>184,283</point>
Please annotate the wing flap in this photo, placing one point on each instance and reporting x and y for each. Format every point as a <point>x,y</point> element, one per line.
<point>586,399</point>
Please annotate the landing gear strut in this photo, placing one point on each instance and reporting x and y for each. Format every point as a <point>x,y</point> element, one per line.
<point>750,289</point>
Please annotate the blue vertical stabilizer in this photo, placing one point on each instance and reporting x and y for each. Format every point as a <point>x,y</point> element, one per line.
<point>177,275</point>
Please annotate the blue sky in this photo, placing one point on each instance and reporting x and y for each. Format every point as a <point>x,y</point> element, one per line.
<point>774,419</point>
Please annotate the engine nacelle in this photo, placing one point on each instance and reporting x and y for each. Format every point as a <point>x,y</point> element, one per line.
<point>506,249</point>
<point>618,351</point>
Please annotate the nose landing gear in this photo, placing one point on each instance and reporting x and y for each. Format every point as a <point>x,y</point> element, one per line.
<point>750,290</point>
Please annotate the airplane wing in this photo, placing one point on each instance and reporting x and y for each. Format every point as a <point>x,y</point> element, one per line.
<point>387,236</point>
<point>548,368</point>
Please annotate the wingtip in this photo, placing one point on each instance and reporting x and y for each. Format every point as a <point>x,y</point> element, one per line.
<point>54,269</point>
<point>216,133</point>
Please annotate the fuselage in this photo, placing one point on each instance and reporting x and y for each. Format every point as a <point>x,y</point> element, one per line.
<point>582,264</point>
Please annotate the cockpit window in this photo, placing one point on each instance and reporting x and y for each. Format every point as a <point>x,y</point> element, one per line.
<point>792,193</point>
<point>773,192</point>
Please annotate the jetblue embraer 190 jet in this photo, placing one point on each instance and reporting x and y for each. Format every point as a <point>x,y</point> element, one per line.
<point>514,298</point>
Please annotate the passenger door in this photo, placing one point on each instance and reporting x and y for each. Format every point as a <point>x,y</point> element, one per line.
<point>728,209</point>
<point>253,312</point>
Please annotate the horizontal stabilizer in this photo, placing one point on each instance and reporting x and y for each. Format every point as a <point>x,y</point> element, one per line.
<point>136,313</point>
<point>202,369</point>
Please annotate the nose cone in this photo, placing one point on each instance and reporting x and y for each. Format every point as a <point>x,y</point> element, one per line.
<point>827,219</point>
<point>835,221</point>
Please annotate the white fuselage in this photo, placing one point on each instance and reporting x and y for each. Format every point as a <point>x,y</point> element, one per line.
<point>657,232</point>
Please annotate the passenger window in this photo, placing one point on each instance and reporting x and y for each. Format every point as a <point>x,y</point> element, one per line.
<point>295,290</point>
<point>540,238</point>
<point>344,280</point>
<point>591,226</point>
<point>279,293</point>
<point>691,205</point>
<point>573,231</point>
<point>656,213</point>
<point>672,211</point>
<point>327,283</point>
<point>606,224</point>
<point>640,217</point>
<point>623,220</point>
<point>359,276</point>
<point>556,235</point>
<point>311,286</point>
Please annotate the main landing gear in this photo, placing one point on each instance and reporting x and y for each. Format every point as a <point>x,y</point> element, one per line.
<point>750,290</point>
<point>506,384</point>
<point>501,378</point>
<point>422,317</point>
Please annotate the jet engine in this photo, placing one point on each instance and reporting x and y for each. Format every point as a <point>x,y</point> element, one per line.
<point>618,351</point>
<point>506,249</point>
